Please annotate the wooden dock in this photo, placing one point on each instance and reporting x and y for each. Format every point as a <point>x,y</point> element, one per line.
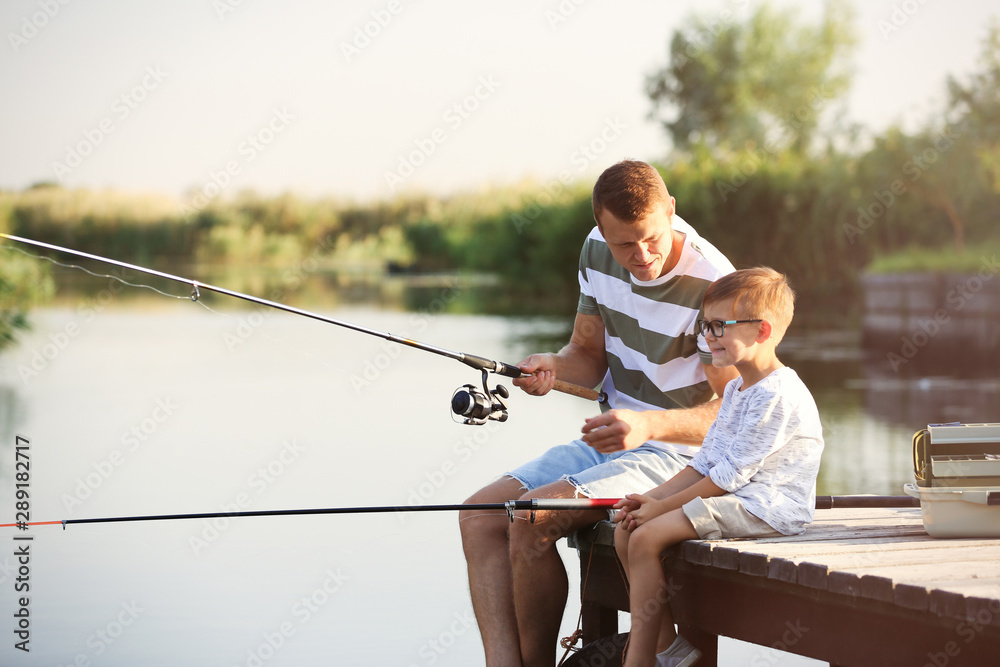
<point>860,587</point>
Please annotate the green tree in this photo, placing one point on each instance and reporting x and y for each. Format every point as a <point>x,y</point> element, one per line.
<point>765,81</point>
<point>977,101</point>
<point>24,281</point>
<point>974,106</point>
<point>941,182</point>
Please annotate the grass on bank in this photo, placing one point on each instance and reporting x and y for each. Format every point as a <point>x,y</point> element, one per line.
<point>974,258</point>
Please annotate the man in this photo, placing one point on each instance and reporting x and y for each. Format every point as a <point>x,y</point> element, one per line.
<point>643,272</point>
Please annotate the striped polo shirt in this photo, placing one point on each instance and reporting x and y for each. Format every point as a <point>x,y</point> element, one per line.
<point>654,354</point>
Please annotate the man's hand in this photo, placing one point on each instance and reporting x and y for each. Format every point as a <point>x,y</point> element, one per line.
<point>543,374</point>
<point>616,430</point>
<point>582,361</point>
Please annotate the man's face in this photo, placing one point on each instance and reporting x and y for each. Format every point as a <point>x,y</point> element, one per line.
<point>643,247</point>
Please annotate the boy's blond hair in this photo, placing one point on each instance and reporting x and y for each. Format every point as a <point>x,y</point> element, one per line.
<point>757,293</point>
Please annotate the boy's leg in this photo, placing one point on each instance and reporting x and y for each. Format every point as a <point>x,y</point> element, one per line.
<point>652,623</point>
<point>622,537</point>
<point>621,547</point>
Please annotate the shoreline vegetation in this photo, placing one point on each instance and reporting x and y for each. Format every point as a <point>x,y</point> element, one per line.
<point>793,214</point>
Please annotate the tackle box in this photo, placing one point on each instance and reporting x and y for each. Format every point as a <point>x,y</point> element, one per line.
<point>956,468</point>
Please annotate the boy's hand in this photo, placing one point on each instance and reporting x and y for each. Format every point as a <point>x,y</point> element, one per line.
<point>616,430</point>
<point>624,506</point>
<point>636,509</point>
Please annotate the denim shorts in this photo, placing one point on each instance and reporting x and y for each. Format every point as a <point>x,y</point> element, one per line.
<point>597,475</point>
<point>723,517</point>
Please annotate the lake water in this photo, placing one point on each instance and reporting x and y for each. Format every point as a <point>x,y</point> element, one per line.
<point>135,404</point>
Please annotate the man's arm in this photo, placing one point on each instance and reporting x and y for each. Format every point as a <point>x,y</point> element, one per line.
<point>627,429</point>
<point>582,361</point>
<point>688,426</point>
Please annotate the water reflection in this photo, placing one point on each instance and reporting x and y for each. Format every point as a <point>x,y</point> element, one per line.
<point>870,407</point>
<point>12,412</point>
<point>931,344</point>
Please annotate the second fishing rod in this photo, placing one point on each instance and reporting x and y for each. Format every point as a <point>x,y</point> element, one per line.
<point>468,403</point>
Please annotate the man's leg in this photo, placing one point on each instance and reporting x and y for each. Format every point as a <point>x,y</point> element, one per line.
<point>540,583</point>
<point>486,541</point>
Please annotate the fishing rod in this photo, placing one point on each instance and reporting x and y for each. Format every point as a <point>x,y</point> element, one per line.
<point>473,406</point>
<point>510,506</point>
<point>531,505</point>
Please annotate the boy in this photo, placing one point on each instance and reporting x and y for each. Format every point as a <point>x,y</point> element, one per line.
<point>756,473</point>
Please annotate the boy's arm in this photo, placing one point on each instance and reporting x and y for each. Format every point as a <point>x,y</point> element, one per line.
<point>685,478</point>
<point>703,488</point>
<point>637,510</point>
<point>675,484</point>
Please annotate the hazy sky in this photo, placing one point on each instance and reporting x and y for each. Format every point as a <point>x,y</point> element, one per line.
<point>368,99</point>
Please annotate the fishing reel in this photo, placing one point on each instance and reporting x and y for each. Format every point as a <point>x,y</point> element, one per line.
<point>476,407</point>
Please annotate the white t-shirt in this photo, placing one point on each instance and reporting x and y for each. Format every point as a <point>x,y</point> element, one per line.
<point>765,448</point>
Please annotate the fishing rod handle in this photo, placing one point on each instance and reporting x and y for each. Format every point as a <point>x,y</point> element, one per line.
<point>582,392</point>
<point>567,503</point>
<point>512,371</point>
<point>864,501</point>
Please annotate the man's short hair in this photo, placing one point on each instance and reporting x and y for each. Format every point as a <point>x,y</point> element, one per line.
<point>757,293</point>
<point>629,190</point>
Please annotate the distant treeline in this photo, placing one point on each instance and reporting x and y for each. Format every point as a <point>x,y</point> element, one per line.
<point>820,220</point>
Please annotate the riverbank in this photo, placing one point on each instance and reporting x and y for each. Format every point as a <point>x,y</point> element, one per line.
<point>922,322</point>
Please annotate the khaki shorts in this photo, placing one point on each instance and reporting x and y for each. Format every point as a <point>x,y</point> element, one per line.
<point>724,516</point>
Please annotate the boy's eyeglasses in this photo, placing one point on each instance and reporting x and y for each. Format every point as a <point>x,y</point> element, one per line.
<point>718,327</point>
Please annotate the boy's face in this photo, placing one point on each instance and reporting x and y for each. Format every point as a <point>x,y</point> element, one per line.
<point>645,248</point>
<point>739,341</point>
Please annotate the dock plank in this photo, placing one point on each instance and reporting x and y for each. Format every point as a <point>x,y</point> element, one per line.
<point>877,570</point>
<point>876,555</point>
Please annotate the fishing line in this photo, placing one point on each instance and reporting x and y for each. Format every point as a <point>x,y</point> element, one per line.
<point>101,275</point>
<point>194,296</point>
